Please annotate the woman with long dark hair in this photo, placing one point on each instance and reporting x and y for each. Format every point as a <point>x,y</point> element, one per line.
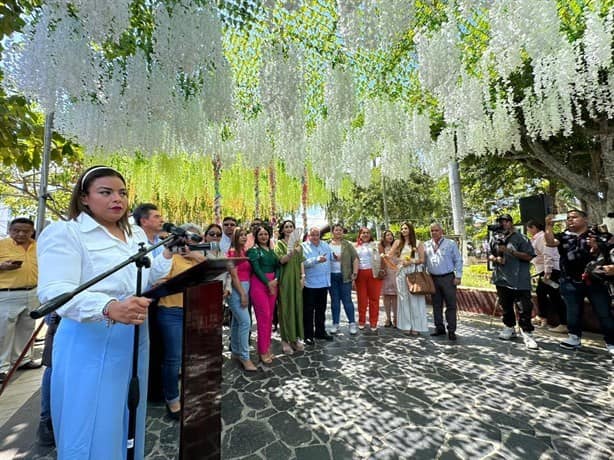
<point>263,288</point>
<point>240,324</point>
<point>411,315</point>
<point>290,302</point>
<point>389,286</point>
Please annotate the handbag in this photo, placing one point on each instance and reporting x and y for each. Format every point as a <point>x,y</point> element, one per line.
<point>420,283</point>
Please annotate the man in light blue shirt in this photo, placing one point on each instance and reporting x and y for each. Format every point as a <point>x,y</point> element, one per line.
<point>445,264</point>
<point>317,256</point>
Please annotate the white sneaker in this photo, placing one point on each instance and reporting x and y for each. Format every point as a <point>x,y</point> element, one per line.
<point>610,348</point>
<point>334,329</point>
<point>571,343</point>
<point>507,333</point>
<point>529,341</point>
<point>353,329</point>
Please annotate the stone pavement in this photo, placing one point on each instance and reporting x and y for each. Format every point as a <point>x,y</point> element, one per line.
<point>385,395</point>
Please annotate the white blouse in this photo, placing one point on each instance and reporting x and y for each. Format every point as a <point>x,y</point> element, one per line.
<point>73,252</point>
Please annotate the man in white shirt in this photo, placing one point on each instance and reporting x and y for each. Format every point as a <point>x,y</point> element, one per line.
<point>228,227</point>
<point>546,264</point>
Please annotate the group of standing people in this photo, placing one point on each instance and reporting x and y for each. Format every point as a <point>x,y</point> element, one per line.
<point>562,262</point>
<point>95,338</point>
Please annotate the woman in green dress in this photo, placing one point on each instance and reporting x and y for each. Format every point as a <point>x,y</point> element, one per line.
<point>290,302</point>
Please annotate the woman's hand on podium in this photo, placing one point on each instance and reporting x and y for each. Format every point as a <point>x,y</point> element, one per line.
<point>132,310</point>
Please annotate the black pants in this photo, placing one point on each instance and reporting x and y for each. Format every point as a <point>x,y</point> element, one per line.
<point>445,290</point>
<point>549,300</point>
<point>314,301</point>
<point>507,297</point>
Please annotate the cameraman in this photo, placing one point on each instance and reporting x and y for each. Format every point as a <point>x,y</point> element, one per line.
<point>510,254</point>
<point>576,253</point>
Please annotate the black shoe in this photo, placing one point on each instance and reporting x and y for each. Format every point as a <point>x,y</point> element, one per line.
<point>438,332</point>
<point>324,336</point>
<point>452,335</point>
<point>30,365</point>
<point>174,415</point>
<point>44,434</point>
<point>309,341</point>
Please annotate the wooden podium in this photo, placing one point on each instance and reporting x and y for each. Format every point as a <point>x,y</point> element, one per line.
<point>201,372</point>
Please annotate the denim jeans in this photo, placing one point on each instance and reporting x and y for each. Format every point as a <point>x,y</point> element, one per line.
<point>170,322</point>
<point>341,292</point>
<point>241,323</point>
<point>574,292</point>
<point>46,396</point>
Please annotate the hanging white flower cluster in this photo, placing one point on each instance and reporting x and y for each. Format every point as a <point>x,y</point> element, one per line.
<point>326,152</point>
<point>597,94</point>
<point>371,24</point>
<point>170,101</point>
<point>103,19</point>
<point>439,59</point>
<point>252,140</point>
<point>436,158</point>
<point>51,58</point>
<point>530,26</point>
<point>281,95</point>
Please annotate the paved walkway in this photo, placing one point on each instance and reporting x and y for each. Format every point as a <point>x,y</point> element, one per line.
<point>385,396</point>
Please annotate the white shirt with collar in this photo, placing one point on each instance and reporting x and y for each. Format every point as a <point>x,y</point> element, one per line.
<point>73,252</point>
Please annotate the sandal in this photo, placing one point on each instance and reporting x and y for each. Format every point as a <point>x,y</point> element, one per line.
<point>388,324</point>
<point>298,345</point>
<point>266,358</point>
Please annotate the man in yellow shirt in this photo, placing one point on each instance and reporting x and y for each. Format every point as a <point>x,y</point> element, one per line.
<point>18,277</point>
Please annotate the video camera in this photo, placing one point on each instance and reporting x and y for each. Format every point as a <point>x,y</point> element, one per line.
<point>185,239</point>
<point>605,248</point>
<point>498,233</point>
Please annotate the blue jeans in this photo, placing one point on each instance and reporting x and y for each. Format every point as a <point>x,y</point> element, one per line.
<point>574,293</point>
<point>341,292</point>
<point>46,396</point>
<point>170,322</point>
<point>241,323</point>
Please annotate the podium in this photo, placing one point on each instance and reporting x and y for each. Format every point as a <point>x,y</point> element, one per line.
<point>201,371</point>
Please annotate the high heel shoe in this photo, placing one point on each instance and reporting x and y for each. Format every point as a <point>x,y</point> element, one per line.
<point>298,345</point>
<point>266,358</point>
<point>248,365</point>
<point>286,348</point>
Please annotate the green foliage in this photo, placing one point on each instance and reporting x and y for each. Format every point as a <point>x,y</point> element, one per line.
<point>417,199</point>
<point>477,276</point>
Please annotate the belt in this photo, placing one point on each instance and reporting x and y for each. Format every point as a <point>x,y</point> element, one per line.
<point>29,288</point>
<point>441,276</point>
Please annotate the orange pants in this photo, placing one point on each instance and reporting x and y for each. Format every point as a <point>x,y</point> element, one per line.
<point>368,290</point>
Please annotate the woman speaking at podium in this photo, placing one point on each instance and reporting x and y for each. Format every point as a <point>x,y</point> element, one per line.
<point>92,353</point>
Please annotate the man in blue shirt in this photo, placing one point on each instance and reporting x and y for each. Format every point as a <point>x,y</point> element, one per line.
<point>445,264</point>
<point>317,256</point>
<point>147,216</point>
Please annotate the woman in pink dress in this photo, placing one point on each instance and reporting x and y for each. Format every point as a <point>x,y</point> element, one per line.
<point>389,286</point>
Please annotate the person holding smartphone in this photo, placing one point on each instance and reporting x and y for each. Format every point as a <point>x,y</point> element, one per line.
<point>18,274</point>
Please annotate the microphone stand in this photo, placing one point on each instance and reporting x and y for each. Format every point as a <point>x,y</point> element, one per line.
<point>140,261</point>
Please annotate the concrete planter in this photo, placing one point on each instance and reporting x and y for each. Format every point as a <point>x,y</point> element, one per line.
<point>483,301</point>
